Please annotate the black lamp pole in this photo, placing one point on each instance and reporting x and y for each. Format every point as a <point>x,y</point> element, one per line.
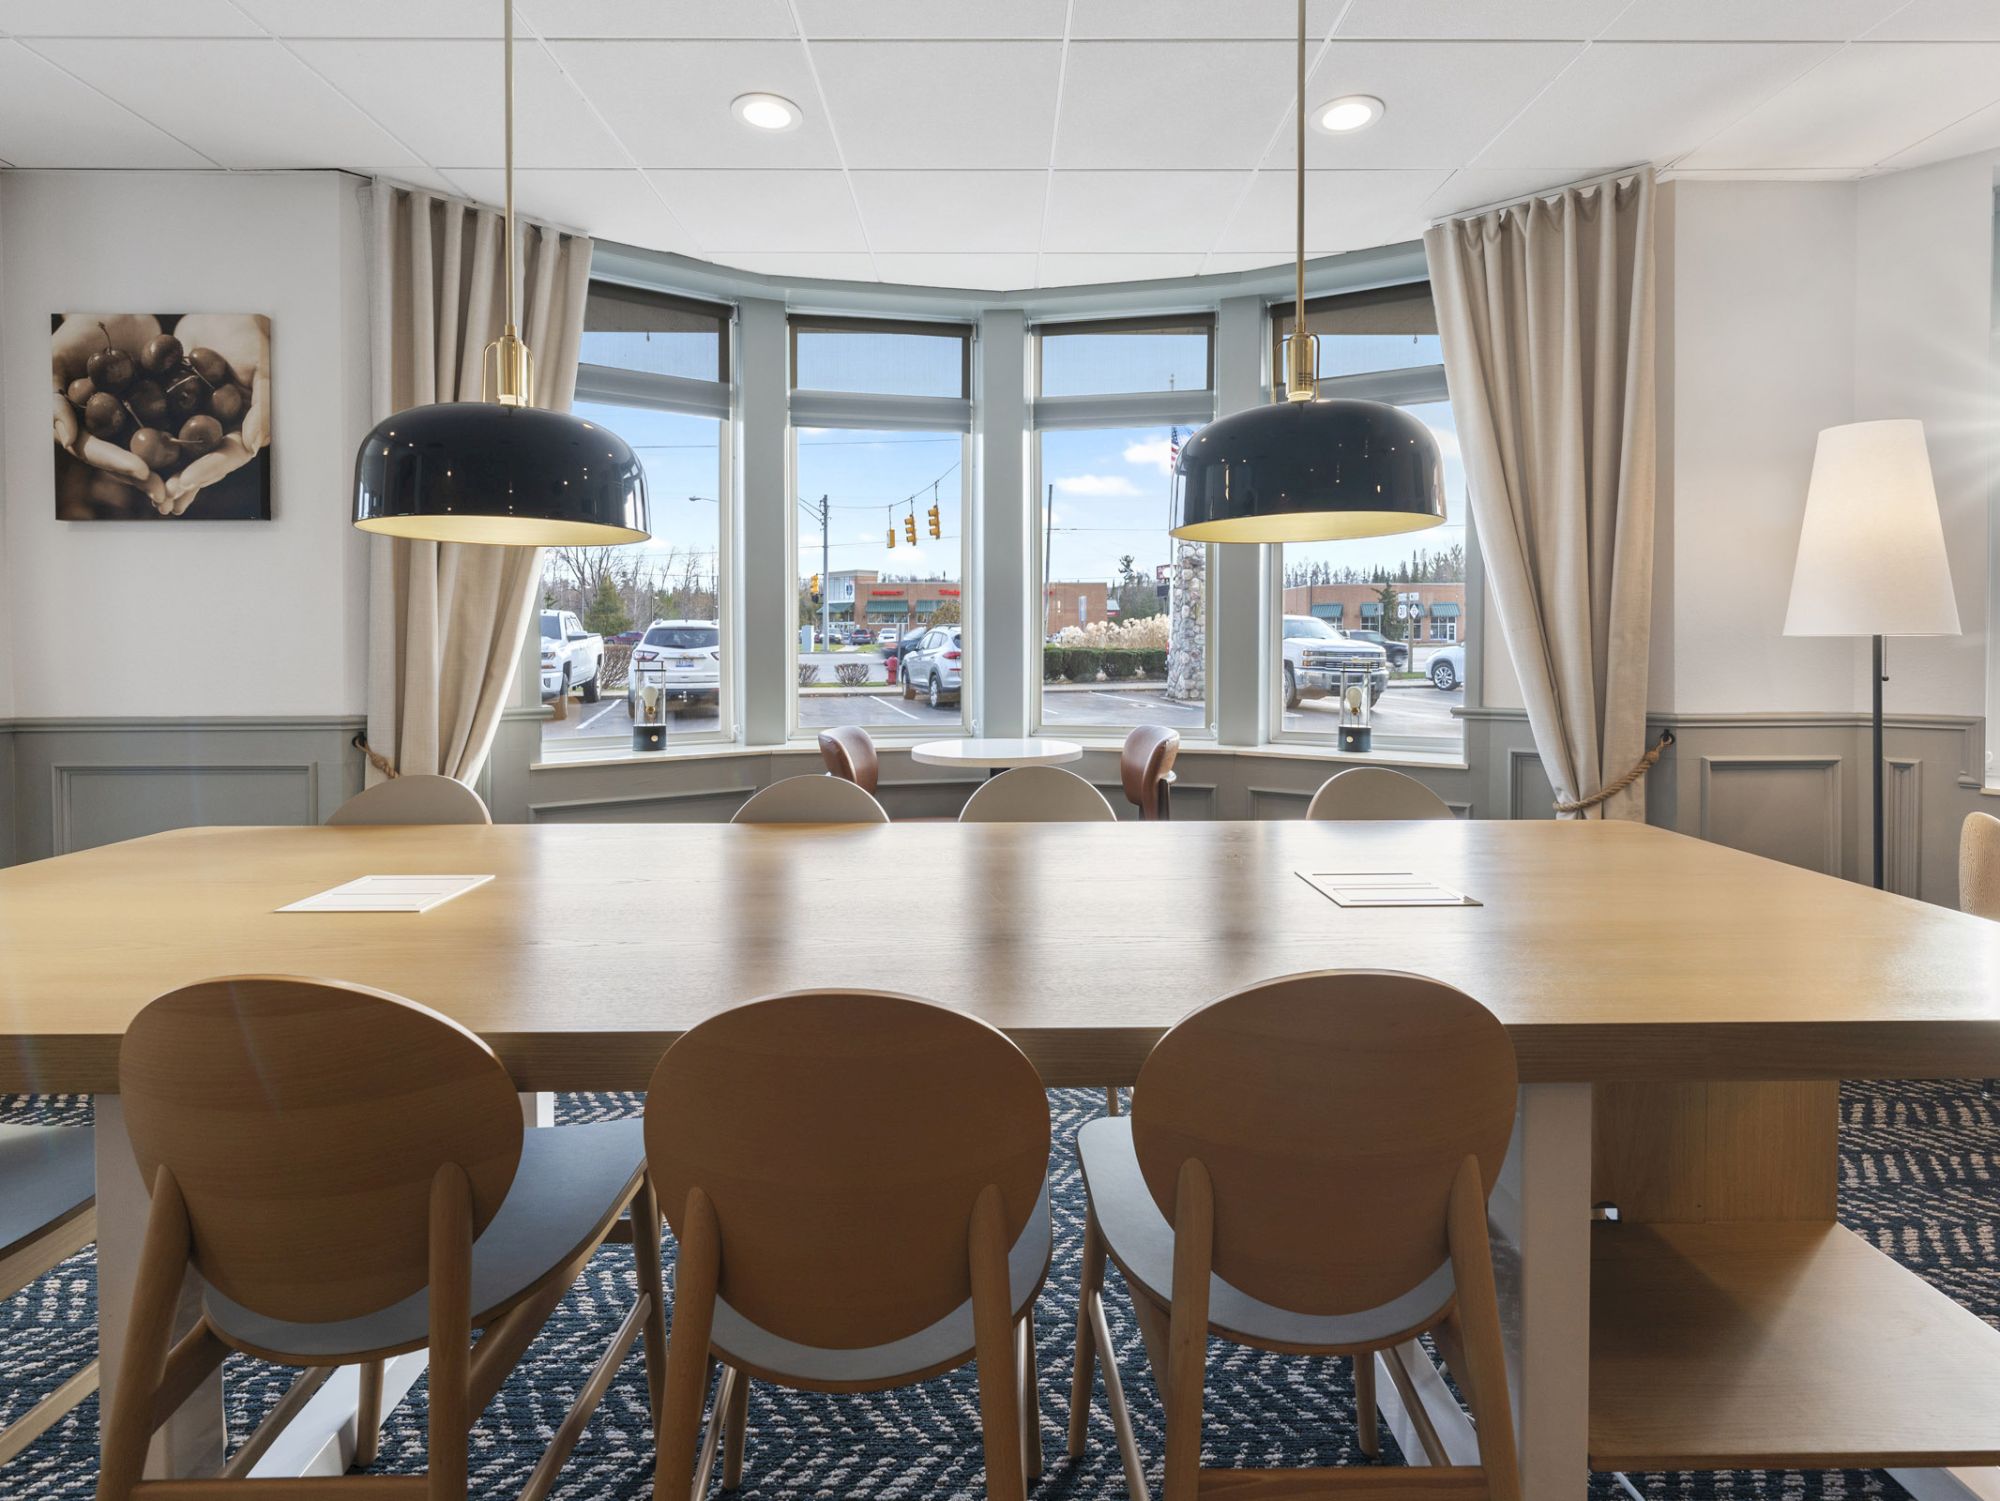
<point>1880,676</point>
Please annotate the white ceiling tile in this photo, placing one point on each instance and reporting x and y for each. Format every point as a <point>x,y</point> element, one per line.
<point>1941,21</point>
<point>612,204</point>
<point>1344,211</point>
<point>952,211</point>
<point>649,18</point>
<point>1139,211</point>
<point>1868,102</point>
<point>244,104</point>
<point>1734,21</point>
<point>49,119</point>
<point>1626,102</point>
<point>764,210</point>
<point>1244,260</point>
<point>443,99</point>
<point>1488,84</point>
<point>669,102</point>
<point>1183,20</point>
<point>1561,20</point>
<point>1474,188</point>
<point>124,18</point>
<point>941,104</point>
<point>1062,270</point>
<point>884,20</point>
<point>1172,104</point>
<point>376,18</point>
<point>1976,132</point>
<point>989,273</point>
<point>818,267</point>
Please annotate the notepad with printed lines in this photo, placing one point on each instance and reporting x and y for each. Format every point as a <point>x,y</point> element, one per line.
<point>1383,888</point>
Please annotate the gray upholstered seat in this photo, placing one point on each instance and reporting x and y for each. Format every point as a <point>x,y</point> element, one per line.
<point>47,1174</point>
<point>740,1342</point>
<point>569,1180</point>
<point>1142,1243</point>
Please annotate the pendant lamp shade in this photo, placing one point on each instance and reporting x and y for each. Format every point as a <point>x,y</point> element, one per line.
<point>1309,471</point>
<point>511,476</point>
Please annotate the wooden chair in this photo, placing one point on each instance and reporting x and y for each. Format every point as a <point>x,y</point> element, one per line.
<point>350,1175</point>
<point>1364,792</point>
<point>849,753</point>
<point>859,1186</point>
<point>1979,865</point>
<point>1305,1169</point>
<point>1147,768</point>
<point>48,1212</point>
<point>811,800</point>
<point>1037,794</point>
<point>414,799</point>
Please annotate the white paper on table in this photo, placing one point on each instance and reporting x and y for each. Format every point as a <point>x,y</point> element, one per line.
<point>389,894</point>
<point>1383,888</point>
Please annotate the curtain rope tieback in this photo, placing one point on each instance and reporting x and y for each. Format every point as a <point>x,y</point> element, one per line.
<point>379,762</point>
<point>1638,769</point>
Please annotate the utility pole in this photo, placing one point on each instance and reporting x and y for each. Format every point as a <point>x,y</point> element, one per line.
<point>825,575</point>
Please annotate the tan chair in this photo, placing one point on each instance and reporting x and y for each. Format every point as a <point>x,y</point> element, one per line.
<point>349,1174</point>
<point>811,800</point>
<point>48,1212</point>
<point>849,753</point>
<point>1305,1169</point>
<point>413,799</point>
<point>1979,865</point>
<point>859,1186</point>
<point>1365,792</point>
<point>1147,768</point>
<point>1037,794</point>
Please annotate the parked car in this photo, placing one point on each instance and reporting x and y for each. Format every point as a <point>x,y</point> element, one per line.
<point>1315,653</point>
<point>686,656</point>
<point>886,639</point>
<point>863,636</point>
<point>1398,652</point>
<point>571,657</point>
<point>933,664</point>
<point>1448,666</point>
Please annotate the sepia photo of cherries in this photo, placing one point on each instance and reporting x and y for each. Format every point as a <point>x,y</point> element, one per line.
<point>169,406</point>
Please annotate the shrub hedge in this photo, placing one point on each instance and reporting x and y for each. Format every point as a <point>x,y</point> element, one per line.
<point>1082,664</point>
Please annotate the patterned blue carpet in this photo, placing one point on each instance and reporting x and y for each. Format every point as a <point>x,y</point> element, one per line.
<point>1918,1179</point>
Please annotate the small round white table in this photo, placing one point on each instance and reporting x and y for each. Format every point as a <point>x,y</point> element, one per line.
<point>996,755</point>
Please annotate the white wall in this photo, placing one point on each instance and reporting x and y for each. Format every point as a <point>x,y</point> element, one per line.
<point>188,618</point>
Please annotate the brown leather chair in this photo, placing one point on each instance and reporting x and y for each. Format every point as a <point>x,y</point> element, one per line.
<point>850,755</point>
<point>1147,766</point>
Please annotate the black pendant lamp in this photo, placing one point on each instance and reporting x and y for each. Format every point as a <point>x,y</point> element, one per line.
<point>501,471</point>
<point>1307,470</point>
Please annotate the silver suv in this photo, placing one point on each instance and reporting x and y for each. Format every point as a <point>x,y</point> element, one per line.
<point>683,656</point>
<point>934,665</point>
<point>1314,654</point>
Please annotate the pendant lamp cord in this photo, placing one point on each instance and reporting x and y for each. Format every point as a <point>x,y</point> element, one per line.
<point>1299,176</point>
<point>507,236</point>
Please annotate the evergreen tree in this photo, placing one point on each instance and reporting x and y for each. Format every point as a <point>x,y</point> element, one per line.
<point>606,613</point>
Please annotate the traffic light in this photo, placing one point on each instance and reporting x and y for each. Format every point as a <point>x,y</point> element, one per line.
<point>892,539</point>
<point>936,531</point>
<point>910,528</point>
<point>813,588</point>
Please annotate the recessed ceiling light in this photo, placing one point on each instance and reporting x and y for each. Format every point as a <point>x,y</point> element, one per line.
<point>1350,112</point>
<point>766,111</point>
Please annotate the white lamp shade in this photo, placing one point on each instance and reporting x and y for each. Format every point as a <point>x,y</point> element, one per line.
<point>1871,554</point>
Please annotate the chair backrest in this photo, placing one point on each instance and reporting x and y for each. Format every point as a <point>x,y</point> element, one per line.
<point>849,752</point>
<point>304,1121</point>
<point>843,1138</point>
<point>416,798</point>
<point>1148,757</point>
<point>1332,1112</point>
<point>1037,794</point>
<point>811,800</point>
<point>1979,865</point>
<point>1375,792</point>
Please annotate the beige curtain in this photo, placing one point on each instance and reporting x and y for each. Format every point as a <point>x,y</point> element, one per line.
<point>1545,309</point>
<point>446,621</point>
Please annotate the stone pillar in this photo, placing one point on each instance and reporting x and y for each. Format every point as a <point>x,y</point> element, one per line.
<point>1187,625</point>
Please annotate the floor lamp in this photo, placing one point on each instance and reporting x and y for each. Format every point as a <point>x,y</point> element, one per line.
<point>1871,554</point>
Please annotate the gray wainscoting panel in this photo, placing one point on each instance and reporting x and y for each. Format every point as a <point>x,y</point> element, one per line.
<point>1783,807</point>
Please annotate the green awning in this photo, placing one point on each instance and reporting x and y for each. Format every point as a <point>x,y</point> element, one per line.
<point>1444,610</point>
<point>1370,608</point>
<point>1327,611</point>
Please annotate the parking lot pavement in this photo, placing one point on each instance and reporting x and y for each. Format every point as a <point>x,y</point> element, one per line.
<point>1417,710</point>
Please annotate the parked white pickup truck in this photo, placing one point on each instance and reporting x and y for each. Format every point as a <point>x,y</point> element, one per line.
<point>1316,653</point>
<point>571,657</point>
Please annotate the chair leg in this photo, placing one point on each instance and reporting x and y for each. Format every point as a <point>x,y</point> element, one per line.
<point>368,1415</point>
<point>1030,1399</point>
<point>1187,1332</point>
<point>993,1344</point>
<point>46,1413</point>
<point>1152,1322</point>
<point>687,1347</point>
<point>450,1373</point>
<point>737,1432</point>
<point>1087,1350</point>
<point>155,1297</point>
<point>645,1212</point>
<point>1477,1314</point>
<point>1367,1420</point>
<point>1111,1099</point>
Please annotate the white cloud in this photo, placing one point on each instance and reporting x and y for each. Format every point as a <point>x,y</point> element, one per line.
<point>1096,484</point>
<point>1157,453</point>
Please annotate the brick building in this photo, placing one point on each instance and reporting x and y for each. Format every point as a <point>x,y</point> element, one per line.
<point>1074,604</point>
<point>1431,613</point>
<point>858,596</point>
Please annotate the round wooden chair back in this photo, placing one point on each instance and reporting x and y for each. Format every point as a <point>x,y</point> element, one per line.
<point>1332,1112</point>
<point>811,800</point>
<point>414,799</point>
<point>843,1138</point>
<point>1375,792</point>
<point>304,1121</point>
<point>1979,865</point>
<point>1143,765</point>
<point>849,753</point>
<point>1037,794</point>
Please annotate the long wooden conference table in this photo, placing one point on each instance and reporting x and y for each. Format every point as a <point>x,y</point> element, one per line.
<point>1680,1012</point>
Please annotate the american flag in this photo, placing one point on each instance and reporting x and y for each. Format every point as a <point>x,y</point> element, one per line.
<point>1173,447</point>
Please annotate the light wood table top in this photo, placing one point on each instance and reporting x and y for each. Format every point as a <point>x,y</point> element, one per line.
<point>1611,951</point>
<point>1034,751</point>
